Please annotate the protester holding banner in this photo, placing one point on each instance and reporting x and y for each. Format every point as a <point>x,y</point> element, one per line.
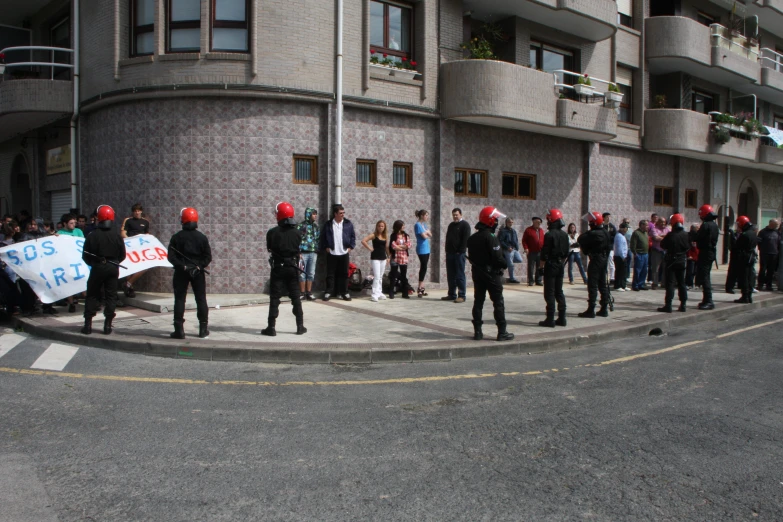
<point>133,226</point>
<point>103,251</point>
<point>69,229</point>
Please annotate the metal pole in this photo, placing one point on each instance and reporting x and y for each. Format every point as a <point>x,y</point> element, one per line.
<point>338,173</point>
<point>75,116</point>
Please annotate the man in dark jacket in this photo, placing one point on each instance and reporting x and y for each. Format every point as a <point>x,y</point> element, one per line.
<point>706,242</point>
<point>745,258</point>
<point>337,240</point>
<point>553,258</point>
<point>456,245</point>
<point>190,254</point>
<point>768,254</point>
<point>595,244</point>
<point>487,264</point>
<point>103,250</point>
<point>509,242</point>
<point>676,244</point>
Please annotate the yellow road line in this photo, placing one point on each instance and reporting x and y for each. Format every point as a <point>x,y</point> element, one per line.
<point>735,332</point>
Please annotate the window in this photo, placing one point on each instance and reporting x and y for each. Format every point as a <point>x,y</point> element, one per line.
<point>625,13</point>
<point>230,26</point>
<point>184,33</point>
<point>142,27</point>
<point>702,102</point>
<point>365,173</point>
<point>704,18</point>
<point>547,58</point>
<point>519,186</point>
<point>306,170</point>
<point>691,198</point>
<point>390,29</point>
<point>663,196</point>
<point>60,36</point>
<point>470,183</point>
<point>624,83</point>
<point>401,175</point>
<point>777,121</point>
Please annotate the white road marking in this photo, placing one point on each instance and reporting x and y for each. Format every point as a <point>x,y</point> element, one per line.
<point>8,342</point>
<point>75,319</point>
<point>55,358</point>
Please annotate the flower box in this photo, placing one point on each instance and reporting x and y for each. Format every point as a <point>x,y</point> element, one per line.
<point>408,74</point>
<point>583,89</point>
<point>382,69</point>
<point>2,68</point>
<point>614,99</point>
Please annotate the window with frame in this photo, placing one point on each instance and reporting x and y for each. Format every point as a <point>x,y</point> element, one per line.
<point>60,36</point>
<point>691,198</point>
<point>305,170</point>
<point>702,102</point>
<point>230,26</point>
<point>142,31</point>
<point>391,25</point>
<point>625,13</point>
<point>184,30</point>
<point>625,83</point>
<point>705,19</point>
<point>548,58</point>
<point>366,173</point>
<point>469,182</point>
<point>664,196</point>
<point>518,186</point>
<point>777,121</point>
<point>402,175</point>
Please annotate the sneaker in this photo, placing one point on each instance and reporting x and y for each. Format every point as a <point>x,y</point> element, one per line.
<point>310,297</point>
<point>447,298</point>
<point>513,281</point>
<point>459,300</point>
<point>644,287</point>
<point>327,297</point>
<point>381,297</point>
<point>539,284</point>
<point>635,289</point>
<point>347,297</point>
<point>570,282</point>
<point>374,299</point>
<point>530,284</point>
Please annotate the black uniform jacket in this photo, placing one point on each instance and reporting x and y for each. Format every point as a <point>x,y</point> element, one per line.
<point>707,238</point>
<point>283,241</point>
<point>192,244</point>
<point>676,245</point>
<point>595,244</point>
<point>484,251</point>
<point>745,247</point>
<point>106,244</point>
<point>555,246</point>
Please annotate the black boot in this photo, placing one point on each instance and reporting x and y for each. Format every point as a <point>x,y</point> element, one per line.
<point>707,306</point>
<point>179,331</point>
<point>107,324</point>
<point>503,335</point>
<point>561,318</point>
<point>203,331</point>
<point>269,330</point>
<point>743,300</point>
<point>549,322</point>
<point>300,329</point>
<point>589,313</point>
<point>681,308</point>
<point>667,308</point>
<point>603,312</point>
<point>477,333</point>
<point>87,328</point>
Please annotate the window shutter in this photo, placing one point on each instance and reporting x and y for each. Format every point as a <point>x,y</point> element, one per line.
<point>61,204</point>
<point>624,76</point>
<point>625,7</point>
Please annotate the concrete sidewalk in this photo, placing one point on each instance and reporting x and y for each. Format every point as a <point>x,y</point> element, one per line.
<point>399,330</point>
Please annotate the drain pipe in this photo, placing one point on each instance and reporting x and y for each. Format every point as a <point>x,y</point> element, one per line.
<point>338,172</point>
<point>75,116</point>
<point>726,201</point>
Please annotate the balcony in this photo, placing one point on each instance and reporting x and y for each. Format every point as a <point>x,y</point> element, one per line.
<point>770,85</point>
<point>507,95</point>
<point>593,20</point>
<point>712,53</point>
<point>30,96</point>
<point>775,5</point>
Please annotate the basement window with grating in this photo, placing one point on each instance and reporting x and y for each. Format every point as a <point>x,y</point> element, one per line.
<point>365,173</point>
<point>305,170</point>
<point>401,175</point>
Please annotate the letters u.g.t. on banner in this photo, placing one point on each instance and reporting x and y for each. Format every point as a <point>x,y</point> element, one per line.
<point>54,269</point>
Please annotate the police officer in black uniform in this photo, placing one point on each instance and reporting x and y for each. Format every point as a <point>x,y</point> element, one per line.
<point>103,250</point>
<point>487,265</point>
<point>596,245</point>
<point>553,257</point>
<point>745,252</point>
<point>190,254</point>
<point>283,243</point>
<point>706,242</point>
<point>676,244</point>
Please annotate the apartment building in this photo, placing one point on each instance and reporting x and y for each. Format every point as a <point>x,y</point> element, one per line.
<point>232,105</point>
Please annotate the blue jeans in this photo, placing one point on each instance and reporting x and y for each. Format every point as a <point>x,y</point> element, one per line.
<point>309,260</point>
<point>455,274</point>
<point>639,270</point>
<point>512,257</point>
<point>575,257</point>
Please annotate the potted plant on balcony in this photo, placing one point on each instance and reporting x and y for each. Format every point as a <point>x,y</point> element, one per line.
<point>721,135</point>
<point>613,96</point>
<point>584,87</point>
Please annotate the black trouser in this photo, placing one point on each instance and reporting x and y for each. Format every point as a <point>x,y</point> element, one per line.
<point>181,280</point>
<point>768,264</point>
<point>553,288</point>
<point>285,280</point>
<point>424,260</point>
<point>731,273</point>
<point>746,275</point>
<point>398,273</point>
<point>104,277</point>
<point>676,274</point>
<point>703,269</point>
<point>620,272</point>
<point>484,282</point>
<point>28,296</point>
<point>596,281</point>
<point>533,273</point>
<point>336,274</point>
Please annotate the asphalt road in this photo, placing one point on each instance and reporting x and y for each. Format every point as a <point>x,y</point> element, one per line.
<point>687,426</point>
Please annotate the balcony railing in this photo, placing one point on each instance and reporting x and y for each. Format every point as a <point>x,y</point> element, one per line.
<point>52,64</point>
<point>734,42</point>
<point>611,99</point>
<point>771,59</point>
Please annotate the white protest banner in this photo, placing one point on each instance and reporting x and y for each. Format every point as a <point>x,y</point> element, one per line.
<point>54,269</point>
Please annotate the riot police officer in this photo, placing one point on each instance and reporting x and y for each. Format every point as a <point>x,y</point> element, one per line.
<point>487,265</point>
<point>706,242</point>
<point>553,258</point>
<point>596,245</point>
<point>676,244</point>
<point>283,242</point>
<point>103,251</point>
<point>745,251</point>
<point>190,253</point>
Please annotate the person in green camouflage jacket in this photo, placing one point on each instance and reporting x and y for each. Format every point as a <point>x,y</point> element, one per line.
<point>308,250</point>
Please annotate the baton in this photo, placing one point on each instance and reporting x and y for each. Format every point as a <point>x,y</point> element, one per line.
<point>115,263</point>
<point>186,258</point>
<point>274,254</point>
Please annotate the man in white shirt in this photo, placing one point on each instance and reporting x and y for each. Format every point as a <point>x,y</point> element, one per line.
<point>337,240</point>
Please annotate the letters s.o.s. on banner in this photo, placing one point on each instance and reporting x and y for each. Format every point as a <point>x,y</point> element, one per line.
<point>54,269</point>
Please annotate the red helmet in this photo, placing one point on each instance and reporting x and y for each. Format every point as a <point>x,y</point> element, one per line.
<point>188,215</point>
<point>284,210</point>
<point>490,216</point>
<point>555,216</point>
<point>677,219</point>
<point>105,213</point>
<point>595,219</point>
<point>742,221</point>
<point>707,211</point>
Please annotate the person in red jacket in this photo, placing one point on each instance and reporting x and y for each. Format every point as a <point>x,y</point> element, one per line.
<point>532,243</point>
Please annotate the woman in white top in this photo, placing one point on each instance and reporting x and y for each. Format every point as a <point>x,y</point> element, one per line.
<point>573,255</point>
